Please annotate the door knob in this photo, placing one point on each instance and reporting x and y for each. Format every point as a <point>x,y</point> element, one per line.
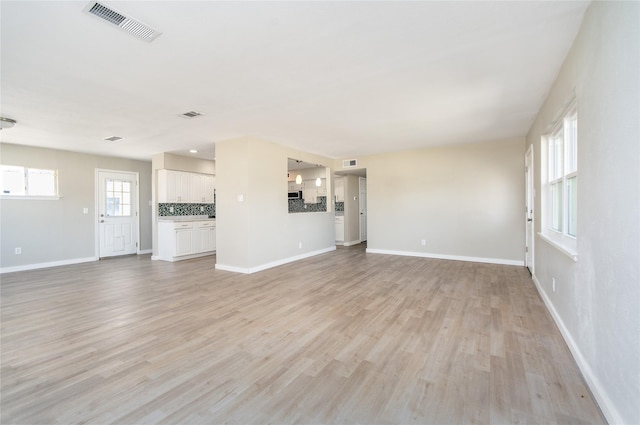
<point>101,221</point>
<point>529,219</point>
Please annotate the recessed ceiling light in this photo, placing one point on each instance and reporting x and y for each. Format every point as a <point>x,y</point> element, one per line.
<point>6,123</point>
<point>193,151</point>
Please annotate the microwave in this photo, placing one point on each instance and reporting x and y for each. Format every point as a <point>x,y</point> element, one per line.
<point>295,195</point>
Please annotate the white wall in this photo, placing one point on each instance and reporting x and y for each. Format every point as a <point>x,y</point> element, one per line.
<point>259,232</point>
<point>465,201</point>
<point>58,231</point>
<point>597,299</point>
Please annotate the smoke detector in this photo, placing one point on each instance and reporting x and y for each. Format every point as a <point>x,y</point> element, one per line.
<point>120,20</point>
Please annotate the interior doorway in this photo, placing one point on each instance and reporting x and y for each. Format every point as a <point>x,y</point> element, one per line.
<point>351,207</point>
<point>117,213</point>
<point>362,189</point>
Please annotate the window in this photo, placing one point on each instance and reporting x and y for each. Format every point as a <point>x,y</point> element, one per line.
<point>560,183</point>
<point>118,193</point>
<point>28,182</point>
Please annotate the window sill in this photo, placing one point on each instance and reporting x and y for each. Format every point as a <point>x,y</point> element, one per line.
<point>569,251</point>
<point>32,198</point>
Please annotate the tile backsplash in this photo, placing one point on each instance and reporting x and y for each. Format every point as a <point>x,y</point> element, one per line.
<point>298,205</point>
<point>164,210</point>
<point>339,206</point>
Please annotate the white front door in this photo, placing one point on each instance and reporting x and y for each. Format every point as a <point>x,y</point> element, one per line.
<point>117,213</point>
<point>529,197</point>
<point>363,208</point>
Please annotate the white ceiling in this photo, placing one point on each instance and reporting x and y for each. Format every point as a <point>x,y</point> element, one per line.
<point>340,79</point>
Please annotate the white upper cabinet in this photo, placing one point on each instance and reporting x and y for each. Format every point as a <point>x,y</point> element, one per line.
<point>183,187</point>
<point>339,189</point>
<point>310,191</point>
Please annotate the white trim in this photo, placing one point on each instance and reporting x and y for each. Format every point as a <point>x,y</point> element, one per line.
<point>250,270</point>
<point>145,251</point>
<point>46,265</point>
<point>560,247</point>
<point>155,258</point>
<point>352,243</point>
<point>607,407</point>
<point>448,257</point>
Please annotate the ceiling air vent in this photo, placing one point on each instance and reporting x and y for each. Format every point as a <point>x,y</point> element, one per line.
<point>123,22</point>
<point>191,114</point>
<point>114,139</point>
<point>349,163</point>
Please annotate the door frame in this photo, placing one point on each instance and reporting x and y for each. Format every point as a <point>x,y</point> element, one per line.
<point>530,195</point>
<point>96,206</point>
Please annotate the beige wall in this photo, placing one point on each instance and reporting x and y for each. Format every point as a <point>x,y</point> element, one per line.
<point>58,231</point>
<point>465,201</point>
<point>259,232</point>
<point>596,302</point>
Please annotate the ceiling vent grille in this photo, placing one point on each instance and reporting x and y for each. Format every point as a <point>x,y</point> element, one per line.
<point>114,139</point>
<point>191,114</point>
<point>349,163</point>
<point>123,22</point>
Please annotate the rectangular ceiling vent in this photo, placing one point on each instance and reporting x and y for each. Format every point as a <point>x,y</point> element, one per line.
<point>123,22</point>
<point>191,114</point>
<point>114,139</point>
<point>349,163</point>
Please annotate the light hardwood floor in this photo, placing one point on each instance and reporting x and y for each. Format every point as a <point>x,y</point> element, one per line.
<point>345,337</point>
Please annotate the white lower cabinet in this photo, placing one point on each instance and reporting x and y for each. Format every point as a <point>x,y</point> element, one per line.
<point>182,240</point>
<point>206,236</point>
<point>339,228</point>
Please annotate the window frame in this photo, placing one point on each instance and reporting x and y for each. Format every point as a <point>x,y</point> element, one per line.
<point>559,148</point>
<point>25,175</point>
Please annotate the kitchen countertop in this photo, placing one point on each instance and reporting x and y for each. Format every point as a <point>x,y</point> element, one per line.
<point>186,218</point>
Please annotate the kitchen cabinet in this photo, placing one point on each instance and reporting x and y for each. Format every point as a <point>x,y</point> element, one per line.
<point>205,236</point>
<point>339,220</point>
<point>180,240</point>
<point>201,190</point>
<point>183,187</point>
<point>293,187</point>
<point>310,191</point>
<point>339,189</point>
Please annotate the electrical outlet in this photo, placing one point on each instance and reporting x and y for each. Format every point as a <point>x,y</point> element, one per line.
<point>201,209</point>
<point>300,245</point>
<point>423,242</point>
<point>170,209</point>
<point>18,251</point>
<point>553,284</point>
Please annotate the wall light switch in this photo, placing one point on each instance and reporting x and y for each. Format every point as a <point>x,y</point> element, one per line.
<point>201,209</point>
<point>241,198</point>
<point>85,211</point>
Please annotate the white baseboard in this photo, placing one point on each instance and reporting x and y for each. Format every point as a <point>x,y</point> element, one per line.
<point>604,402</point>
<point>350,243</point>
<point>448,257</point>
<point>249,270</point>
<point>145,251</point>
<point>46,265</point>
